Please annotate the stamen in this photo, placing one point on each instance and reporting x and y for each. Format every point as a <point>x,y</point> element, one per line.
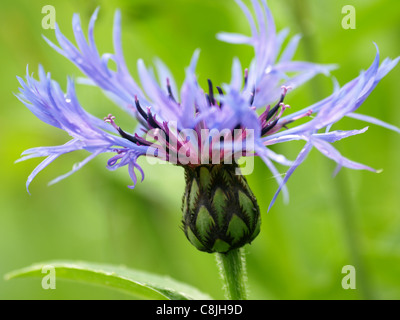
<point>127,136</point>
<point>276,107</point>
<point>285,123</point>
<point>263,115</point>
<point>110,119</point>
<point>307,114</point>
<point>286,89</point>
<point>273,114</point>
<point>211,92</point>
<point>151,120</point>
<point>208,100</point>
<point>169,89</point>
<point>221,93</point>
<point>142,141</point>
<point>273,111</point>
<point>269,127</point>
<point>283,108</point>
<point>139,109</point>
<point>246,76</point>
<point>253,94</point>
<point>270,117</point>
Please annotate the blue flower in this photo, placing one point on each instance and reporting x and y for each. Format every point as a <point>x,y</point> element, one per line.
<point>166,115</point>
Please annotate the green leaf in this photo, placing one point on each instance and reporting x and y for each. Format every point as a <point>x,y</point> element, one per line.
<point>137,283</point>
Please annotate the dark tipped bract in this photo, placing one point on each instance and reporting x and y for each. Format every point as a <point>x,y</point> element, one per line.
<point>220,212</point>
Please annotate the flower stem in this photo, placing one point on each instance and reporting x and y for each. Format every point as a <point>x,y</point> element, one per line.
<point>232,268</point>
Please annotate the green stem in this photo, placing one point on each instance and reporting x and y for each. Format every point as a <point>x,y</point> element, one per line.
<point>232,268</point>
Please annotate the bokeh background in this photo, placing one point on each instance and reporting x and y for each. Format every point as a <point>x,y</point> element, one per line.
<point>329,222</point>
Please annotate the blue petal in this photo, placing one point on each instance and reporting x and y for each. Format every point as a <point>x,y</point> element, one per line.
<point>326,149</point>
<point>373,121</point>
<point>300,158</point>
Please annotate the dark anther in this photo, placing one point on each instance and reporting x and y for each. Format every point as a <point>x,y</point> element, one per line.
<point>142,141</point>
<point>272,112</point>
<point>170,94</point>
<point>208,100</point>
<point>221,94</point>
<point>127,136</point>
<point>269,127</point>
<point>139,109</point>
<point>152,121</point>
<point>275,109</point>
<point>253,94</point>
<point>211,92</point>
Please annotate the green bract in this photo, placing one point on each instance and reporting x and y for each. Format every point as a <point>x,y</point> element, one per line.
<point>220,212</point>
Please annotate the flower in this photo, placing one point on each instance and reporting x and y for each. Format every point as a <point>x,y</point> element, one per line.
<point>172,121</point>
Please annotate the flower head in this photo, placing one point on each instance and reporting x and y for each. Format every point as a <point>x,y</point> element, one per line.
<point>194,126</point>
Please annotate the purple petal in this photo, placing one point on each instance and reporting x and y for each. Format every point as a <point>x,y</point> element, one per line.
<point>290,49</point>
<point>39,168</point>
<point>163,74</point>
<point>77,166</point>
<point>373,121</point>
<point>237,75</point>
<point>338,135</point>
<point>249,17</point>
<point>234,38</point>
<point>278,158</point>
<point>278,177</point>
<point>300,158</point>
<point>326,149</point>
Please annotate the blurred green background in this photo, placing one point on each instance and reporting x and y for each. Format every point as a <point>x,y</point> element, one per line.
<point>351,219</point>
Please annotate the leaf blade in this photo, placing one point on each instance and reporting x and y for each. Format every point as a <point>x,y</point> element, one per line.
<point>137,283</point>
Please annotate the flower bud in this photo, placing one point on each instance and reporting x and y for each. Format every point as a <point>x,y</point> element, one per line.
<point>220,212</point>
